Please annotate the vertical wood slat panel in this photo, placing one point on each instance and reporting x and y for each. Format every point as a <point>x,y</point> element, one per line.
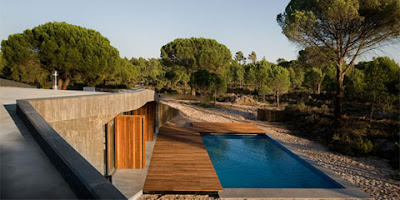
<point>144,113</point>
<point>148,110</point>
<point>129,143</point>
<point>153,120</point>
<point>150,121</point>
<point>140,148</point>
<point>117,139</point>
<point>131,136</point>
<point>270,115</point>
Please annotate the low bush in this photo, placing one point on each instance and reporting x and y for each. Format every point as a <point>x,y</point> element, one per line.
<point>324,109</point>
<point>296,107</point>
<point>351,145</point>
<point>356,136</point>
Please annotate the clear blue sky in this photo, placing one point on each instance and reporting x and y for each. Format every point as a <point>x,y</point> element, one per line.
<point>140,28</point>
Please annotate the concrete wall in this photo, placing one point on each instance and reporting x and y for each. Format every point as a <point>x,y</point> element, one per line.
<point>81,120</point>
<point>165,113</point>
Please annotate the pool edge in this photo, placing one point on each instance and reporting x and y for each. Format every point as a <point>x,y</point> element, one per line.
<point>349,191</point>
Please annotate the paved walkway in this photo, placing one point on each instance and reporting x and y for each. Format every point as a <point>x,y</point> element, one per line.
<point>130,181</point>
<point>180,163</point>
<point>25,171</point>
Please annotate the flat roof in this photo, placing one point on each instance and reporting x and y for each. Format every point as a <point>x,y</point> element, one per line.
<point>25,171</point>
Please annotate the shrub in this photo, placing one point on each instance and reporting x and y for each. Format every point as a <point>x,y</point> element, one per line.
<point>325,109</point>
<point>296,107</point>
<point>353,146</point>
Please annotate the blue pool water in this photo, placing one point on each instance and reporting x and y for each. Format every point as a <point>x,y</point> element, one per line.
<point>260,162</point>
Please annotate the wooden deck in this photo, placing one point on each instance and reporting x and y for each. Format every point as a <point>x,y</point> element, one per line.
<point>180,163</point>
<point>233,128</point>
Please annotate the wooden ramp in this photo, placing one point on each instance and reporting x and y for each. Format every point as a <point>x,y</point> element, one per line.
<point>180,163</point>
<point>233,128</point>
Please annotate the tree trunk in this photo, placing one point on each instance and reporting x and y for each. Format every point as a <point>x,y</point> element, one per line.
<point>264,98</point>
<point>319,88</point>
<point>184,87</point>
<point>372,108</point>
<point>240,84</point>
<point>372,111</point>
<point>60,83</point>
<point>277,98</point>
<point>339,96</point>
<point>215,98</point>
<point>66,83</point>
<point>193,91</point>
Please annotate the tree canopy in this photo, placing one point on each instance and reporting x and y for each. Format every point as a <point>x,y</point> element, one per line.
<point>2,63</point>
<point>313,79</point>
<point>381,82</point>
<point>346,27</point>
<point>71,50</point>
<point>316,57</point>
<point>279,82</point>
<point>253,57</point>
<point>195,54</point>
<point>237,72</point>
<point>209,84</point>
<point>239,56</point>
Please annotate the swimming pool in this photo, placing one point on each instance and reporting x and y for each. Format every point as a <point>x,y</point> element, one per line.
<point>260,162</point>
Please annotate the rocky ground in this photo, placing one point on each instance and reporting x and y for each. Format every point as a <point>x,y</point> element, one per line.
<point>176,196</point>
<point>372,175</point>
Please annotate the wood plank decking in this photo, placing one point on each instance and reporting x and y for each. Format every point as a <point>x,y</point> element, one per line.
<point>233,128</point>
<point>180,163</point>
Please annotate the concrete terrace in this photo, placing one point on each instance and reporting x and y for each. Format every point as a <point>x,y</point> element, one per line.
<point>26,172</point>
<point>130,181</point>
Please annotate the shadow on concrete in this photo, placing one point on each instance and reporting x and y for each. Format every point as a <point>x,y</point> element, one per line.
<point>26,172</point>
<point>12,111</point>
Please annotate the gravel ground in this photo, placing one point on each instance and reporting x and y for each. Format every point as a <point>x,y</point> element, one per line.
<point>373,175</point>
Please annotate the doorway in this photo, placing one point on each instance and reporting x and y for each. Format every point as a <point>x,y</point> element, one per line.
<point>125,144</point>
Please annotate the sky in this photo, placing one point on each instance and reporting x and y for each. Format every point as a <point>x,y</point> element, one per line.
<point>141,28</point>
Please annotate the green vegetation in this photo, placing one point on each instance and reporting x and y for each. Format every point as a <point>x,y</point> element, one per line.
<point>343,28</point>
<point>351,108</point>
<point>381,83</point>
<point>196,54</point>
<point>313,79</point>
<point>78,54</point>
<point>2,64</point>
<point>318,61</point>
<point>209,84</point>
<point>253,57</point>
<point>279,82</point>
<point>372,87</point>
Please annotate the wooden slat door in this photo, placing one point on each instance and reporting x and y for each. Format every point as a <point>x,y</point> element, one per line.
<point>148,110</point>
<point>129,142</point>
<point>150,120</point>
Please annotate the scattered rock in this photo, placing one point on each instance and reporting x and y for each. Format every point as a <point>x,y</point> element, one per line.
<point>237,99</point>
<point>245,100</point>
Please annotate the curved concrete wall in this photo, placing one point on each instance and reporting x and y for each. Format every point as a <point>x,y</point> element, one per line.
<point>80,120</point>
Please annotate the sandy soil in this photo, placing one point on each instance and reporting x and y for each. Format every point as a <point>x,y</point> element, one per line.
<point>372,175</point>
